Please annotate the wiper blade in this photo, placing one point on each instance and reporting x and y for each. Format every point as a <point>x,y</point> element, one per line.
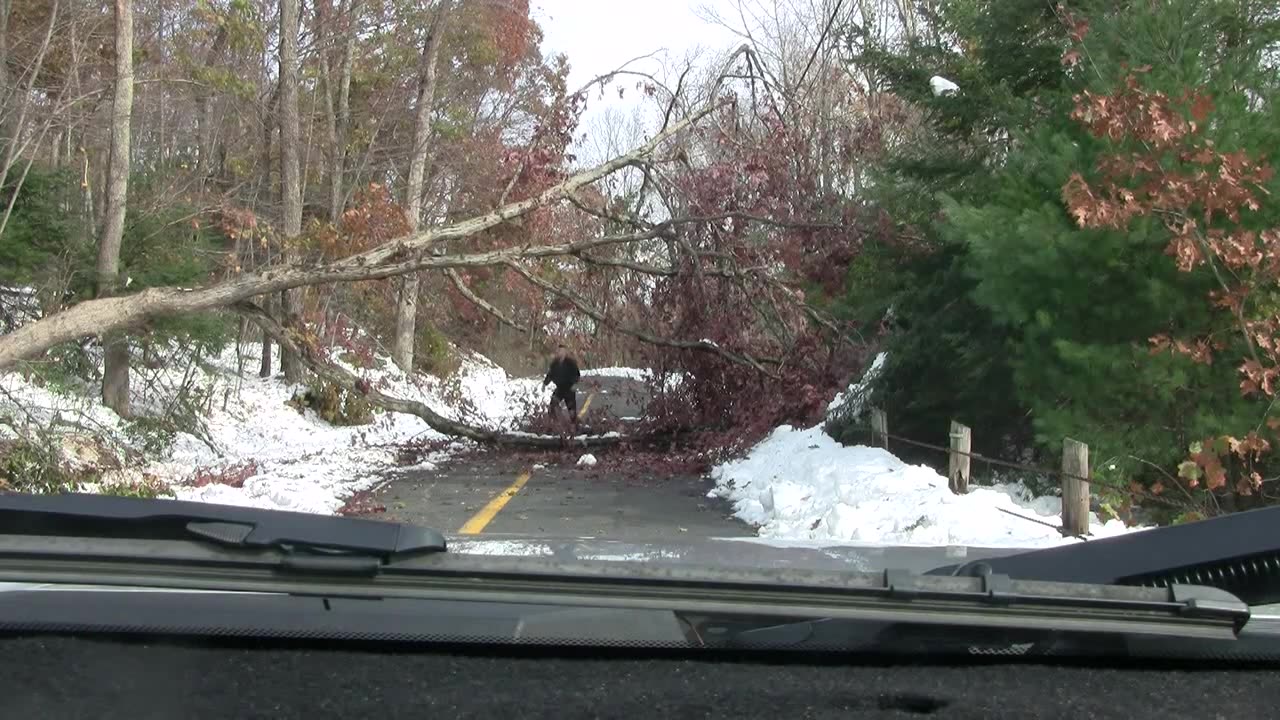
<point>1238,553</point>
<point>107,516</point>
<point>776,595</point>
<point>1197,605</point>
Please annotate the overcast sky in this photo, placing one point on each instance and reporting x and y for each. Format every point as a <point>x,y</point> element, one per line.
<point>600,35</point>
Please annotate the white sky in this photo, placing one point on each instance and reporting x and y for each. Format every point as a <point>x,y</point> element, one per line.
<point>600,35</point>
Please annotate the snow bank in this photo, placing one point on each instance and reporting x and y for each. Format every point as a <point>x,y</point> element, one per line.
<point>277,456</point>
<point>672,382</point>
<point>630,373</point>
<point>305,464</point>
<point>803,485</point>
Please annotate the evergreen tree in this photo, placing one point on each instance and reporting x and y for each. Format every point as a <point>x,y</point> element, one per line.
<point>1083,303</point>
<point>1020,313</point>
<point>947,358</point>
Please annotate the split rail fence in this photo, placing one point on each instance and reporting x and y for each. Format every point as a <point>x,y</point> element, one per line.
<point>1074,473</point>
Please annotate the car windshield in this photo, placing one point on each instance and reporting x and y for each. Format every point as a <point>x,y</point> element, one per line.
<point>843,284</point>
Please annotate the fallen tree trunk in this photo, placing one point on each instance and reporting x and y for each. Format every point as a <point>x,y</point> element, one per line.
<point>336,374</point>
<point>390,259</point>
<point>95,317</point>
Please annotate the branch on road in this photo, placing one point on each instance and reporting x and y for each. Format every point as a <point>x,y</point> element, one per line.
<point>313,357</point>
<point>701,345</point>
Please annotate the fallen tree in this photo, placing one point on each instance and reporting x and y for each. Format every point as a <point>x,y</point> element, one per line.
<point>392,259</point>
<point>715,302</point>
<point>315,359</point>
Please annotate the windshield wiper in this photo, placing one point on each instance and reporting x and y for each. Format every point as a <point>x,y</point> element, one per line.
<point>1238,553</point>
<point>1192,604</point>
<point>311,541</point>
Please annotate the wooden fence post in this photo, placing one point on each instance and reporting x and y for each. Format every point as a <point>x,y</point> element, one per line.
<point>879,428</point>
<point>958,464</point>
<point>1075,491</point>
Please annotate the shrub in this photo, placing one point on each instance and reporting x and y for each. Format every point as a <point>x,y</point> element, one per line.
<point>35,466</point>
<point>335,404</point>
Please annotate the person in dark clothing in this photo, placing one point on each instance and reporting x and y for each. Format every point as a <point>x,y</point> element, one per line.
<point>564,373</point>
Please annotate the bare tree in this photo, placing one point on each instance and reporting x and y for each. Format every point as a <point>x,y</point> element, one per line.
<point>7,92</point>
<point>115,377</point>
<point>337,96</point>
<point>407,307</point>
<point>290,173</point>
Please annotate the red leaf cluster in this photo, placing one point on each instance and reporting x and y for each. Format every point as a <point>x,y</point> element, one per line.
<point>230,475</point>
<point>1163,166</point>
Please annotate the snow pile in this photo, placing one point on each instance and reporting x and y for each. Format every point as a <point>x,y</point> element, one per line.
<point>587,460</point>
<point>296,461</point>
<point>803,485</point>
<point>479,392</point>
<point>258,450</point>
<point>620,372</point>
<point>848,405</point>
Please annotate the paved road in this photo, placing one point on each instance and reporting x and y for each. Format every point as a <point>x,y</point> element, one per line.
<point>547,494</point>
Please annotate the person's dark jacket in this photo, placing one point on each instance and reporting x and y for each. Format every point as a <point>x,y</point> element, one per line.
<point>564,373</point>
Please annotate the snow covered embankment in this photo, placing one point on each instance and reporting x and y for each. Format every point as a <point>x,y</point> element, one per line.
<point>802,485</point>
<point>267,453</point>
<point>300,462</point>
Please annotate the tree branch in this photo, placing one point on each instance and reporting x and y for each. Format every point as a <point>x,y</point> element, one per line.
<point>700,345</point>
<point>390,259</point>
<point>646,269</point>
<point>481,302</point>
<point>312,357</point>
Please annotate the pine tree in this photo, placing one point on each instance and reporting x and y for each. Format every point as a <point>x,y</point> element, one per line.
<point>1081,304</point>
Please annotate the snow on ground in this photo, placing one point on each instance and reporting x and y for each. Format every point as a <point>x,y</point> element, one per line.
<point>308,465</point>
<point>802,485</point>
<point>284,458</point>
<point>630,373</point>
<point>672,382</point>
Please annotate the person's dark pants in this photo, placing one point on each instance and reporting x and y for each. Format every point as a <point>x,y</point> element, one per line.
<point>569,397</point>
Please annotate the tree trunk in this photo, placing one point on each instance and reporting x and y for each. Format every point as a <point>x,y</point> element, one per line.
<point>115,377</point>
<point>334,152</point>
<point>290,173</point>
<point>8,92</point>
<point>337,101</point>
<point>265,366</point>
<point>204,133</point>
<point>407,307</point>
<point>337,189</point>
<point>264,191</point>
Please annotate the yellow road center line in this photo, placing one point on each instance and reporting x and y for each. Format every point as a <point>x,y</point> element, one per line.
<point>488,512</point>
<point>586,405</point>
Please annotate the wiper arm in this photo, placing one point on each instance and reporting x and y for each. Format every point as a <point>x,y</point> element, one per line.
<point>316,537</point>
<point>1239,553</point>
<point>1195,607</point>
